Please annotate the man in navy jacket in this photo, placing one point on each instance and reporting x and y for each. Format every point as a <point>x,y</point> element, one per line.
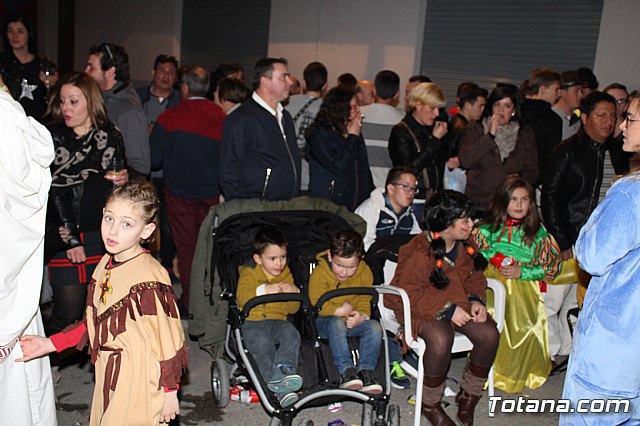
<point>259,154</point>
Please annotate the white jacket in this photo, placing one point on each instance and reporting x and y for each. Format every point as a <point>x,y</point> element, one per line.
<point>382,220</point>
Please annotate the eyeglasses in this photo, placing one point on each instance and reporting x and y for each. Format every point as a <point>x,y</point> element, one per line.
<point>407,188</point>
<point>628,119</point>
<point>622,101</point>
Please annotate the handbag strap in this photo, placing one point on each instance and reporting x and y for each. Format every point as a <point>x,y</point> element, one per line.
<point>304,108</point>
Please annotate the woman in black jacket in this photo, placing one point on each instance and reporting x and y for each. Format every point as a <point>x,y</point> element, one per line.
<point>417,140</point>
<point>89,161</point>
<point>338,162</point>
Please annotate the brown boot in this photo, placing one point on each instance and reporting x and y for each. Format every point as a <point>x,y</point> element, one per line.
<point>470,392</point>
<point>431,406</point>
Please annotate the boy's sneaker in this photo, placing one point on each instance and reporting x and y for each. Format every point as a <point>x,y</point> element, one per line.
<point>287,398</point>
<point>349,379</point>
<point>399,378</point>
<point>369,382</point>
<point>284,380</point>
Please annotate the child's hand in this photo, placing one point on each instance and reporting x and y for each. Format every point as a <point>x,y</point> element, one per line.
<point>355,318</point>
<point>344,310</point>
<point>35,347</point>
<point>171,407</point>
<point>460,317</point>
<point>288,288</point>
<point>478,312</point>
<point>511,271</point>
<point>272,288</point>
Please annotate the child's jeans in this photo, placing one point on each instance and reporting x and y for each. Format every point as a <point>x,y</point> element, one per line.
<point>335,330</point>
<point>272,343</point>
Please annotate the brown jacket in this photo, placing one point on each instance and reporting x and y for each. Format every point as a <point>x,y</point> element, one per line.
<point>480,156</point>
<point>415,264</point>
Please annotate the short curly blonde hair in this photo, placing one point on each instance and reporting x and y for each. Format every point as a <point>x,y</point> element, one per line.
<point>427,94</point>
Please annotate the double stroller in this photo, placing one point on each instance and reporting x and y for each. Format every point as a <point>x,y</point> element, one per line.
<point>308,232</point>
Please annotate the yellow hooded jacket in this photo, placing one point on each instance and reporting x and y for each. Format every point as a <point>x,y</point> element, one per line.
<point>323,280</point>
<point>248,283</point>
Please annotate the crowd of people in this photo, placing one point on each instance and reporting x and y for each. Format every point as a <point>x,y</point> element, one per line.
<point>529,165</point>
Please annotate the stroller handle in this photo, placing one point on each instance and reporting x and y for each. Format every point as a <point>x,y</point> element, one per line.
<point>344,292</point>
<point>279,297</point>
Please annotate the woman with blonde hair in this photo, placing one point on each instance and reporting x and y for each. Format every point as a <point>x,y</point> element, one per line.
<point>417,140</point>
<point>89,161</point>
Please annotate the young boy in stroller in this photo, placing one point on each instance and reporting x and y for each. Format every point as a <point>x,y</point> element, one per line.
<point>347,316</point>
<point>273,341</point>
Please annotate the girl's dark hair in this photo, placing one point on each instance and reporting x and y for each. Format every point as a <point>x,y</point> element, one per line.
<point>26,21</point>
<point>142,194</point>
<point>335,109</point>
<point>497,215</point>
<point>440,212</point>
<point>265,236</point>
<point>501,91</point>
<point>347,243</point>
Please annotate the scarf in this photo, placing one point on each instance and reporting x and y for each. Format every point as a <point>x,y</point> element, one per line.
<point>506,137</point>
<point>78,158</point>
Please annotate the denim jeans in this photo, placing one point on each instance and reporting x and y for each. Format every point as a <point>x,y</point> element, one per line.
<point>271,343</point>
<point>335,330</point>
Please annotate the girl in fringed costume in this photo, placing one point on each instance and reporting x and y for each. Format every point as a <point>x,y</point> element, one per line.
<point>135,336</point>
<point>522,255</point>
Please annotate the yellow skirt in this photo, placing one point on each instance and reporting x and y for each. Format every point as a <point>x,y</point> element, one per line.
<point>523,353</point>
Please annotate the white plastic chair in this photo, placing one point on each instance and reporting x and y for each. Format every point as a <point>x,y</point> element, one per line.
<point>460,343</point>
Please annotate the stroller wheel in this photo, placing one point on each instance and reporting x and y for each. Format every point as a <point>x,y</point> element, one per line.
<point>393,416</point>
<point>367,415</point>
<point>220,382</point>
<point>306,422</point>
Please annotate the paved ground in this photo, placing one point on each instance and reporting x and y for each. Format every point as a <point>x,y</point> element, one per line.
<point>197,405</point>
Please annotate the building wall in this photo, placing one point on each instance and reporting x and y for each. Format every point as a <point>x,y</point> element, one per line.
<point>144,28</point>
<point>348,35</point>
<point>617,56</point>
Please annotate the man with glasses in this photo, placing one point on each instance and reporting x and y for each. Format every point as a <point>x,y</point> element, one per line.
<point>388,211</point>
<point>616,160</point>
<point>108,64</point>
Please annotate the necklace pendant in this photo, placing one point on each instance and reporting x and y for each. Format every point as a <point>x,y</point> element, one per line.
<point>105,288</point>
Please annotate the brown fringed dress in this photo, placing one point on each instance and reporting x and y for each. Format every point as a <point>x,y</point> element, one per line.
<point>136,341</point>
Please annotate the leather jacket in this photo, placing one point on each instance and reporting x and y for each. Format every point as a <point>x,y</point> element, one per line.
<point>571,189</point>
<point>77,206</point>
<point>425,161</point>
